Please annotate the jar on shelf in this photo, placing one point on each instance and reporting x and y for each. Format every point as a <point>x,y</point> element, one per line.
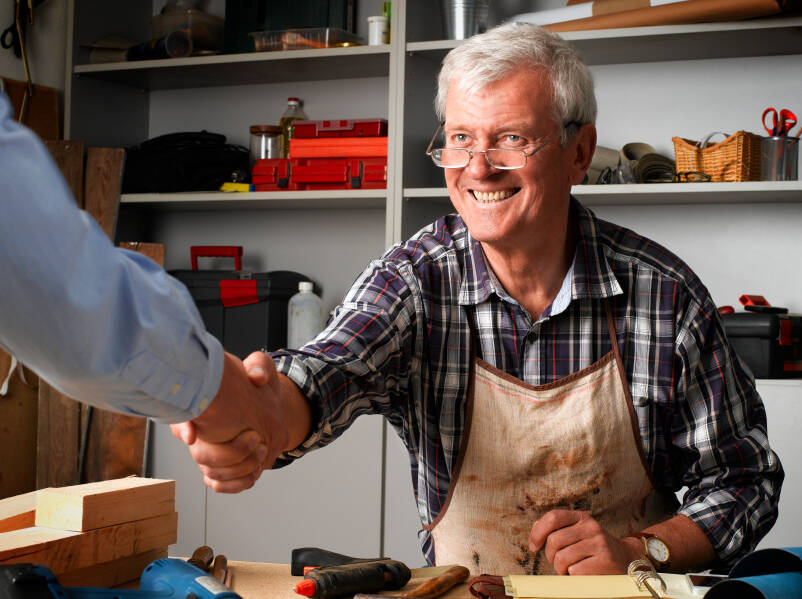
<point>265,142</point>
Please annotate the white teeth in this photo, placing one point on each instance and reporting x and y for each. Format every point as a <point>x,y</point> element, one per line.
<point>492,196</point>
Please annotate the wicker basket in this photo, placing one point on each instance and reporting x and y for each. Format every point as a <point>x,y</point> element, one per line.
<point>737,158</point>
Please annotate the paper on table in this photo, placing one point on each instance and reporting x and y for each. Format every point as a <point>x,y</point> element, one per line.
<point>616,586</point>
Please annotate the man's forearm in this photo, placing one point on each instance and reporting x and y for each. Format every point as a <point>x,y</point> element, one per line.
<point>298,412</point>
<point>690,549</point>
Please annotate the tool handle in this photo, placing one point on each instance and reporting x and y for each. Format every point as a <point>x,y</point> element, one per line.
<point>358,577</point>
<point>313,557</point>
<point>202,557</point>
<point>439,584</point>
<point>216,251</point>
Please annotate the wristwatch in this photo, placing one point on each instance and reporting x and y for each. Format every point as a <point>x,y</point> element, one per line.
<point>655,549</point>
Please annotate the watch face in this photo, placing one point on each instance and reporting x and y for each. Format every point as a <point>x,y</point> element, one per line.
<point>657,549</point>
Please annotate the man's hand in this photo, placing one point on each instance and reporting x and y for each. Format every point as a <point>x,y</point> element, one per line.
<point>575,543</point>
<point>248,424</point>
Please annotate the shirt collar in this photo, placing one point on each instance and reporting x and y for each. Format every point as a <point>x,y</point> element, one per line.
<point>590,274</point>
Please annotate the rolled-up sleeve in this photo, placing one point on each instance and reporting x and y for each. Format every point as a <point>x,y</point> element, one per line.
<point>360,363</point>
<point>733,476</point>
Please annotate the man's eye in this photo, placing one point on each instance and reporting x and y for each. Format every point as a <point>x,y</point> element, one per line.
<point>512,139</point>
<point>459,138</point>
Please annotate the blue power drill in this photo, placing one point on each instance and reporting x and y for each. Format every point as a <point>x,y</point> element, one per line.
<point>167,578</point>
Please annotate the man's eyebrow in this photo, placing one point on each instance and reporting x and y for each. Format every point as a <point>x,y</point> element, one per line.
<point>526,126</point>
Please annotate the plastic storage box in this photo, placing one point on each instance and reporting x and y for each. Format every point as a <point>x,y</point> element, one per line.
<point>206,30</point>
<point>769,344</point>
<point>340,128</point>
<point>245,311</point>
<point>303,39</point>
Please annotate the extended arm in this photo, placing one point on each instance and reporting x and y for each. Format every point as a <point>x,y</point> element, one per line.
<point>103,325</point>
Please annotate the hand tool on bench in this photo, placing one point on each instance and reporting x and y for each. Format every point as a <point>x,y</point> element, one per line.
<point>434,587</point>
<point>162,579</point>
<point>328,575</point>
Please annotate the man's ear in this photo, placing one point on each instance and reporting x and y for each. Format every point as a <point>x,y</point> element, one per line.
<point>583,146</point>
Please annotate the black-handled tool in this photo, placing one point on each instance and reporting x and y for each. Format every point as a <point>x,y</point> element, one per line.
<point>335,575</point>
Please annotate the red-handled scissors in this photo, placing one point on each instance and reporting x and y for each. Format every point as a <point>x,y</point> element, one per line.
<point>781,123</point>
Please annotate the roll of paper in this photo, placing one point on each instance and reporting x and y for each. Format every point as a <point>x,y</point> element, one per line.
<point>689,11</point>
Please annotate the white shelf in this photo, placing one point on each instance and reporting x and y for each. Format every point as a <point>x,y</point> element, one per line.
<point>245,69</point>
<point>757,37</point>
<point>645,194</point>
<point>259,200</point>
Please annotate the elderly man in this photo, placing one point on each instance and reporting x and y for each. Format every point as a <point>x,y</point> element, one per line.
<point>555,378</point>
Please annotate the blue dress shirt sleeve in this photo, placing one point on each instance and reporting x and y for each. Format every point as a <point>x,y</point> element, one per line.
<point>103,325</point>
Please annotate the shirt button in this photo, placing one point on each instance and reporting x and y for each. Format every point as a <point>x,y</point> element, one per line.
<point>204,403</point>
<point>176,388</point>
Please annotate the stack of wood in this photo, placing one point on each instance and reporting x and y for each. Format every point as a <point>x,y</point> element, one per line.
<point>99,534</point>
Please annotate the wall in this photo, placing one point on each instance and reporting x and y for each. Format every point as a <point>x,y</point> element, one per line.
<point>45,42</point>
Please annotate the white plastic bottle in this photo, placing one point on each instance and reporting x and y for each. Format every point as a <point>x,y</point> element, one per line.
<point>305,316</point>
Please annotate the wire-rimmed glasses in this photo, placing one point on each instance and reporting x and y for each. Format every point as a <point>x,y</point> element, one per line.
<point>499,158</point>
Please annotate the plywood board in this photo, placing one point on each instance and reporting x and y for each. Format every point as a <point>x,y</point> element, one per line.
<point>69,156</point>
<point>18,408</point>
<point>112,573</point>
<point>58,435</point>
<point>66,551</point>
<point>18,512</point>
<point>100,504</point>
<point>102,183</point>
<point>41,113</point>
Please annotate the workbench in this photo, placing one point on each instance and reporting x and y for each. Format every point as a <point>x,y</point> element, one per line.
<point>253,580</point>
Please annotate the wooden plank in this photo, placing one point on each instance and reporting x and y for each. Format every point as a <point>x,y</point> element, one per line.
<point>116,442</point>
<point>18,408</point>
<point>18,512</point>
<point>42,113</point>
<point>58,439</point>
<point>69,156</point>
<point>112,573</point>
<point>66,551</point>
<point>95,505</point>
<point>59,424</point>
<point>102,183</point>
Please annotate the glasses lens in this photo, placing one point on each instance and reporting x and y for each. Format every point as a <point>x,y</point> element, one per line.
<point>451,157</point>
<point>501,158</point>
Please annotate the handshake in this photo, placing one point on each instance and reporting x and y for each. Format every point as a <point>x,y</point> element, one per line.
<point>256,415</point>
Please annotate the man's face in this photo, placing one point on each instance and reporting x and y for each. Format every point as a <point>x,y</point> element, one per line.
<point>509,206</point>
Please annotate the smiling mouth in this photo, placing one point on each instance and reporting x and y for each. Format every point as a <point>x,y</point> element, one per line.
<point>489,197</point>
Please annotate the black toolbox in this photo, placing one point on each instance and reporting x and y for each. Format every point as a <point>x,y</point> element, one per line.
<point>246,311</point>
<point>769,343</point>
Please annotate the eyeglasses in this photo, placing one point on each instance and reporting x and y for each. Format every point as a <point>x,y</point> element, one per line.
<point>500,158</point>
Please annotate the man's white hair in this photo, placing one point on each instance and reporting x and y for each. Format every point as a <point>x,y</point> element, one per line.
<point>503,50</point>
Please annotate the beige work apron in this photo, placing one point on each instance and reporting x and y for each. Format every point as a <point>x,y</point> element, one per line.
<point>570,444</point>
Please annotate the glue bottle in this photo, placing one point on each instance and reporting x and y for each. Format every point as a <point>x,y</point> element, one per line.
<point>304,316</point>
<point>293,113</point>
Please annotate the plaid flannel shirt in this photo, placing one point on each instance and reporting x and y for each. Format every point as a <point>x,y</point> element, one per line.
<point>399,345</point>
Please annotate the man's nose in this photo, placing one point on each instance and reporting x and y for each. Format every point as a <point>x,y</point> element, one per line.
<point>478,166</point>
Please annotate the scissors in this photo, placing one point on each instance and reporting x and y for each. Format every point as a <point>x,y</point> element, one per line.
<point>781,123</point>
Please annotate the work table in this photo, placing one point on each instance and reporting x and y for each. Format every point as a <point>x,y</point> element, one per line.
<point>254,580</point>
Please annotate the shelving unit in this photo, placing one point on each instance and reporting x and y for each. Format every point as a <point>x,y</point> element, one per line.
<point>655,194</point>
<point>331,235</point>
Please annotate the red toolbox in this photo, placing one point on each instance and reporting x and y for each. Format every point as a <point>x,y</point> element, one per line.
<point>341,128</point>
<point>338,147</point>
<point>246,311</point>
<point>293,174</point>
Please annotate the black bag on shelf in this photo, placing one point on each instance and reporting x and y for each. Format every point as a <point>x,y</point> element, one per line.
<point>190,161</point>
